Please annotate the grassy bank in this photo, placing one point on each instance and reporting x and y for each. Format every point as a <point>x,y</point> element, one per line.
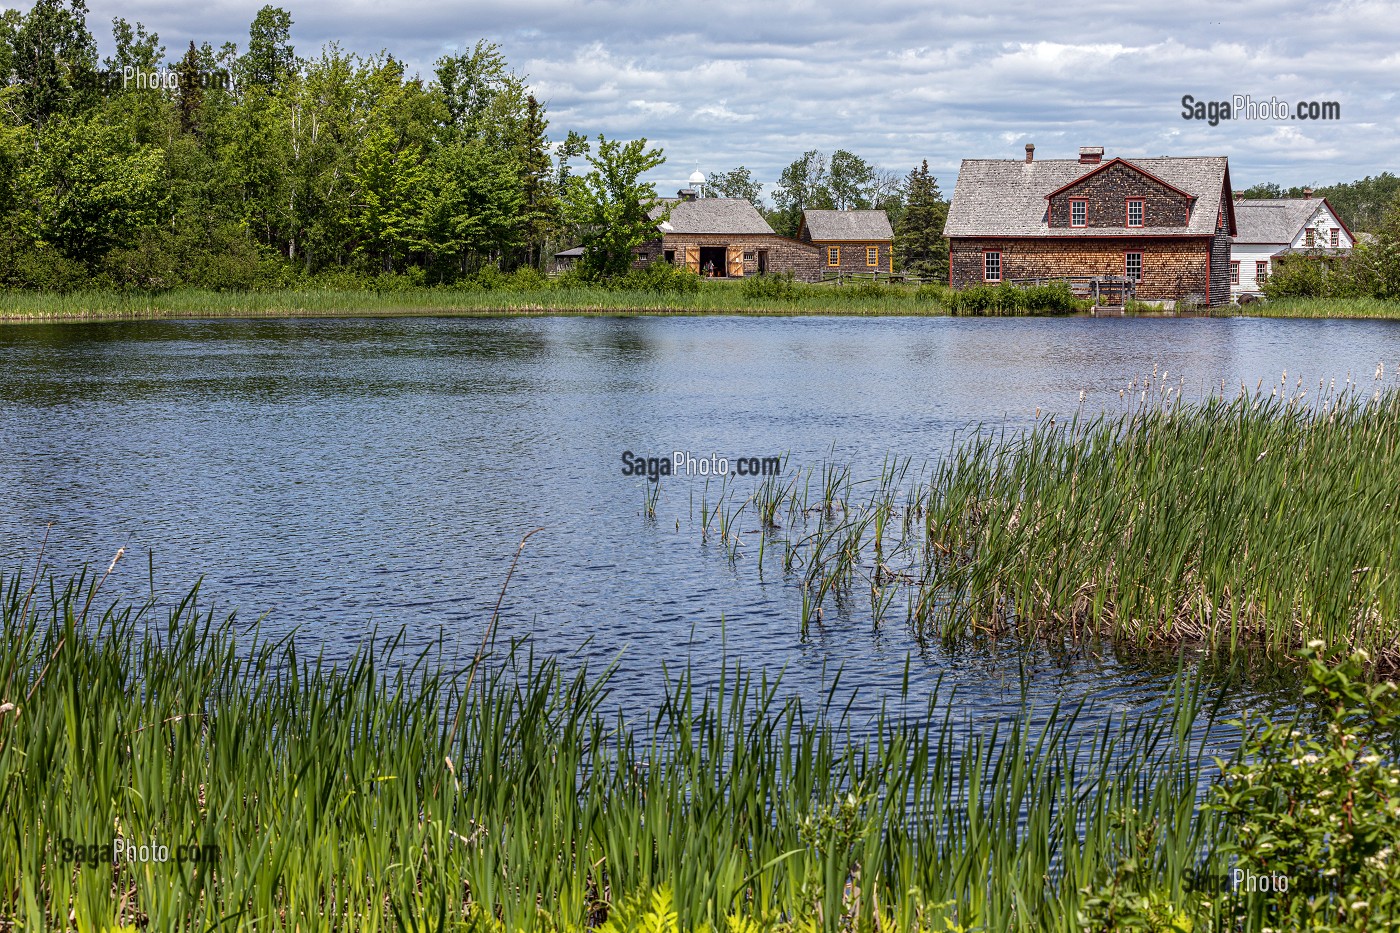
<point>1319,308</point>
<point>711,297</point>
<point>363,796</point>
<point>1248,526</point>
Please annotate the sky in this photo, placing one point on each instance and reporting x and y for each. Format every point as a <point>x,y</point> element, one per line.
<point>757,83</point>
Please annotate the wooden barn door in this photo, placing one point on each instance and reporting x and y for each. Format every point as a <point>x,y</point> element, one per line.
<point>736,262</point>
<point>692,259</point>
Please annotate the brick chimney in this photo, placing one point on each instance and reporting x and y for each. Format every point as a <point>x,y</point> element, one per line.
<point>1307,194</point>
<point>1239,195</point>
<point>686,194</point>
<point>1090,155</point>
<point>1030,153</point>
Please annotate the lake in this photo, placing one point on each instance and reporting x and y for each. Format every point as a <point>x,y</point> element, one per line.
<point>335,476</point>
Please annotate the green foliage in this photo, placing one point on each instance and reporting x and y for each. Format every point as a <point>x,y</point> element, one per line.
<point>772,287</point>
<point>270,60</point>
<point>735,183</point>
<point>1050,298</point>
<point>919,244</point>
<point>612,206</point>
<point>1321,809</point>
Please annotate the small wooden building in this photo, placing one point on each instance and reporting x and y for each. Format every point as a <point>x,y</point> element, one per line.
<point>1163,225</point>
<point>725,238</point>
<point>850,241</point>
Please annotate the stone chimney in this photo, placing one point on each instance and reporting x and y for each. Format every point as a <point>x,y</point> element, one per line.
<point>1030,153</point>
<point>1090,155</point>
<point>686,194</point>
<point>1307,194</point>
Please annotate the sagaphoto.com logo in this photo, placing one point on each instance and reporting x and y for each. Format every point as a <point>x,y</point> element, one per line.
<point>1246,107</point>
<point>685,463</point>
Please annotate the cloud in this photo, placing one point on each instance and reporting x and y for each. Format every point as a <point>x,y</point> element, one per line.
<point>897,81</point>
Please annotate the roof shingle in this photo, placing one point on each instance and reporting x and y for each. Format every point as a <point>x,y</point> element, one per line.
<point>1006,197</point>
<point>847,225</point>
<point>1273,220</point>
<point>711,215</point>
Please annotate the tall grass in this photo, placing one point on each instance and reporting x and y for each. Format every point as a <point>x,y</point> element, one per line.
<point>1251,525</point>
<point>711,297</point>
<point>393,792</point>
<point>1322,308</point>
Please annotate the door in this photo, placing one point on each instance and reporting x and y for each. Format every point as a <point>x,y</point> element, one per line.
<point>692,259</point>
<point>736,262</point>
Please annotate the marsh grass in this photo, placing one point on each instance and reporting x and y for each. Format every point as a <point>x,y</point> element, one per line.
<point>399,791</point>
<point>1319,308</point>
<point>711,297</point>
<point>1252,525</point>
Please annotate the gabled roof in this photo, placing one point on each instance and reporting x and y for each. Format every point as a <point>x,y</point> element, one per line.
<point>1135,166</point>
<point>711,215</point>
<point>1278,220</point>
<point>1007,197</point>
<point>847,225</point>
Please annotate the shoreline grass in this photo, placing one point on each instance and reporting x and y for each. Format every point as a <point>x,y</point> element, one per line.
<point>369,796</point>
<point>720,298</point>
<point>710,298</point>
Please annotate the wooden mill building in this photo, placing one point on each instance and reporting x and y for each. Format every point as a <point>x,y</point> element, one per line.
<point>1163,224</point>
<point>724,238</point>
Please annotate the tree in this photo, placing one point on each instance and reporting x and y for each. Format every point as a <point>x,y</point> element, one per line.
<point>54,61</point>
<point>851,181</point>
<point>735,183</point>
<point>612,205</point>
<point>270,60</point>
<point>919,244</point>
<point>802,185</point>
<point>191,88</point>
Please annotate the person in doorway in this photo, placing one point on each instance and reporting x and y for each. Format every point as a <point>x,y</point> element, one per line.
<point>710,269</point>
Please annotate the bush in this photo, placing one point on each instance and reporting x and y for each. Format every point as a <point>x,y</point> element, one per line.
<point>1052,298</point>
<point>771,287</point>
<point>658,277</point>
<point>1322,810</point>
<point>1296,278</point>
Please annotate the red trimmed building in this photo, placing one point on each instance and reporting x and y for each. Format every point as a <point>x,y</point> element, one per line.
<point>1161,224</point>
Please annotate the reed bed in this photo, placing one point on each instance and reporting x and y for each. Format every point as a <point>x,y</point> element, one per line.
<point>711,297</point>
<point>1253,526</point>
<point>409,792</point>
<point>1321,308</point>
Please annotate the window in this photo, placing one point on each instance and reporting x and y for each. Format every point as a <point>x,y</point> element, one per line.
<point>1132,266</point>
<point>1261,270</point>
<point>1078,212</point>
<point>872,255</point>
<point>991,265</point>
<point>1234,273</point>
<point>1336,238</point>
<point>643,256</point>
<point>1310,237</point>
<point>833,255</point>
<point>1135,212</point>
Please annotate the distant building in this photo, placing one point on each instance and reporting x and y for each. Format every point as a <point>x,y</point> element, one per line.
<point>1270,229</point>
<point>850,241</point>
<point>1161,224</point>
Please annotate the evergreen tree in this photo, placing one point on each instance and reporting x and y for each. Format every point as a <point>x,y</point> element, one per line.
<point>919,245</point>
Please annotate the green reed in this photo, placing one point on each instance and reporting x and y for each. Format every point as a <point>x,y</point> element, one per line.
<point>1258,523</point>
<point>389,790</point>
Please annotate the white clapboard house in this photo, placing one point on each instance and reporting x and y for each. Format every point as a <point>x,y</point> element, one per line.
<point>1272,228</point>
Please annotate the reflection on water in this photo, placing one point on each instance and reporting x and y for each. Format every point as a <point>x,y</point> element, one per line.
<point>341,474</point>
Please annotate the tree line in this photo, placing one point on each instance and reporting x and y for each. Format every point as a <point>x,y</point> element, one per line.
<point>257,167</point>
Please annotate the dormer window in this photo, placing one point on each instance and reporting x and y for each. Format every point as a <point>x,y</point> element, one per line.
<point>1078,212</point>
<point>1134,212</point>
